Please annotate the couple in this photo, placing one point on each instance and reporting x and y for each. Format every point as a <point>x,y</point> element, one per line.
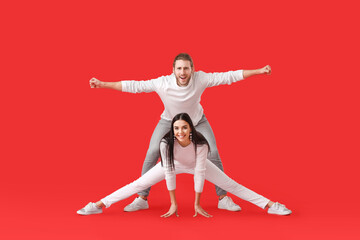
<point>180,92</point>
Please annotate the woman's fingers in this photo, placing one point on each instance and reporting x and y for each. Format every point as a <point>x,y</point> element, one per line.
<point>203,213</point>
<point>207,215</point>
<point>168,214</point>
<point>164,215</point>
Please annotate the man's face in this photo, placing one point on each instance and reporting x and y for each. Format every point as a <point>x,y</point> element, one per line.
<point>182,71</point>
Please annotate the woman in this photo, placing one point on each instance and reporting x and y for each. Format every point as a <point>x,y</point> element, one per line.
<point>183,150</point>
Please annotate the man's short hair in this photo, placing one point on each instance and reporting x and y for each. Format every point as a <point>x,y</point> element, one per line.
<point>185,57</point>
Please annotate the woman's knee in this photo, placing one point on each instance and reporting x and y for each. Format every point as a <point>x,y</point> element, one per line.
<point>139,185</point>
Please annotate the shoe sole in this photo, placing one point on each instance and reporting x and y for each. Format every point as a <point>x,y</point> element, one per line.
<point>135,210</point>
<point>285,214</point>
<point>237,210</point>
<point>84,214</point>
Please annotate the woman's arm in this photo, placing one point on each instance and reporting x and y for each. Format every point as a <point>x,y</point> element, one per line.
<point>198,208</point>
<point>200,167</point>
<point>170,178</point>
<point>199,178</point>
<point>173,206</point>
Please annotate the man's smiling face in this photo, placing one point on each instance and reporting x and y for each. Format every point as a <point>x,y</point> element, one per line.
<point>182,71</point>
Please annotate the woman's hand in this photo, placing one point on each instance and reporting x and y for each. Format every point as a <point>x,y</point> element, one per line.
<point>172,210</point>
<point>201,211</point>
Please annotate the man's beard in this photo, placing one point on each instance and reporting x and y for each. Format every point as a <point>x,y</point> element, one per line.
<point>178,81</point>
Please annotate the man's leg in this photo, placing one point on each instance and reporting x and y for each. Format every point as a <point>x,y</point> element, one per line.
<point>204,128</point>
<point>153,152</point>
<point>151,159</point>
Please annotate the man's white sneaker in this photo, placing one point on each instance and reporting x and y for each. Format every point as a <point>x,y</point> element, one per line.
<point>228,204</point>
<point>89,209</point>
<point>136,205</point>
<point>279,209</point>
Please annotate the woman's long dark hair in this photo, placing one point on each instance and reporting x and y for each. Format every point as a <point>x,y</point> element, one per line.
<point>169,138</point>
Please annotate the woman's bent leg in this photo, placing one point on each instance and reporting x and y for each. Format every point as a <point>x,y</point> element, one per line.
<point>216,176</point>
<point>151,177</point>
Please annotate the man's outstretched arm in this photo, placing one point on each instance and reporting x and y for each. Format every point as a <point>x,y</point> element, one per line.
<point>95,83</point>
<point>264,70</point>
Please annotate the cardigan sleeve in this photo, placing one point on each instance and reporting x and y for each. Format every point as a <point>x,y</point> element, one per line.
<point>200,167</point>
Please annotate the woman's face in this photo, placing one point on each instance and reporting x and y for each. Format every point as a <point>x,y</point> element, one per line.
<point>182,132</point>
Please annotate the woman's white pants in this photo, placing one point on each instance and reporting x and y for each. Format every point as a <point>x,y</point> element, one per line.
<point>213,174</point>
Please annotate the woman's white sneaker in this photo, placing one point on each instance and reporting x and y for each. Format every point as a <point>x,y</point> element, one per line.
<point>136,205</point>
<point>228,204</point>
<point>279,209</point>
<point>89,209</point>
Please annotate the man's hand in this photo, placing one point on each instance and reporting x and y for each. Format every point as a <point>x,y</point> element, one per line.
<point>94,83</point>
<point>265,70</point>
<point>172,210</point>
<point>201,211</point>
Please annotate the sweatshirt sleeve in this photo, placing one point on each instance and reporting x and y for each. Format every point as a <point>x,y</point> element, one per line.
<point>170,175</point>
<point>141,86</point>
<point>216,79</point>
<point>200,167</point>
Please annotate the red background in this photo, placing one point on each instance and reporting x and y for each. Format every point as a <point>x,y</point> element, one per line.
<point>292,136</point>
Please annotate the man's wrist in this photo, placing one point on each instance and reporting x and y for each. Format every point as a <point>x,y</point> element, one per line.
<point>101,84</point>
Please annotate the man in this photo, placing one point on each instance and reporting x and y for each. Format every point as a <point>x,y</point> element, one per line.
<point>181,92</point>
